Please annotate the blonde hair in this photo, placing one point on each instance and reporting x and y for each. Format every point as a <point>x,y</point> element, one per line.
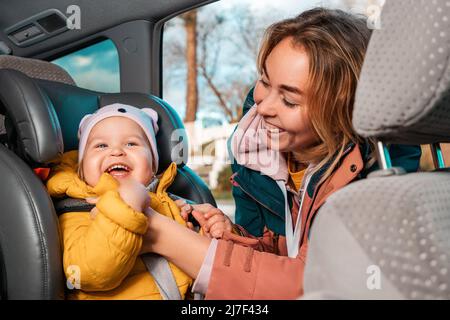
<point>335,42</point>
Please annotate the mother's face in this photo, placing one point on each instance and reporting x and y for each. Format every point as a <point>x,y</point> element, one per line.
<point>281,100</point>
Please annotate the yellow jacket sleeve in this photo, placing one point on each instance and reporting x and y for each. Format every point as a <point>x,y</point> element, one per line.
<point>104,248</point>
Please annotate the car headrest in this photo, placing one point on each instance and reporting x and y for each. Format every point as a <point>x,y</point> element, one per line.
<point>404,91</point>
<point>44,115</point>
<point>36,69</point>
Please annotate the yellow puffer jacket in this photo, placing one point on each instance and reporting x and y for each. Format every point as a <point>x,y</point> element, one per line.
<point>105,249</point>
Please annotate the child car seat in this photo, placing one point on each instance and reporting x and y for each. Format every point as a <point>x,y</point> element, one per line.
<point>42,119</point>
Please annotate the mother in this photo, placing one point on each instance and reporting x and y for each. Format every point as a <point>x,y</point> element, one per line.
<point>293,149</point>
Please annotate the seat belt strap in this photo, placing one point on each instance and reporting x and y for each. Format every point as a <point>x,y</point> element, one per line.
<point>71,205</point>
<point>159,268</point>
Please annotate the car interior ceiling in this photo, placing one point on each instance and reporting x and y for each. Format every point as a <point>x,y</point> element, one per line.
<point>96,16</point>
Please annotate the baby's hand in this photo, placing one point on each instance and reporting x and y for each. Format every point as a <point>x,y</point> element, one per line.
<point>186,210</point>
<point>214,222</point>
<point>94,211</point>
<point>134,194</point>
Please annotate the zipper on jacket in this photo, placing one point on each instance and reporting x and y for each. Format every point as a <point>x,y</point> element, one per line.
<point>236,184</point>
<point>309,212</point>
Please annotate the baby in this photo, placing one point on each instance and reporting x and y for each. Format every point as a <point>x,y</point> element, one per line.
<point>117,158</point>
<point>120,140</point>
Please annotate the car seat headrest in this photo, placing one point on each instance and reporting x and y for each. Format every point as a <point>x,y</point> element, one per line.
<point>36,69</point>
<point>403,95</point>
<point>32,124</point>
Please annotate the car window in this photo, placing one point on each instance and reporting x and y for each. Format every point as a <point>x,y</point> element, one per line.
<point>209,66</point>
<point>95,67</point>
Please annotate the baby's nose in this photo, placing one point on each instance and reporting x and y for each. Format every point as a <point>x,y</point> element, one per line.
<point>117,151</point>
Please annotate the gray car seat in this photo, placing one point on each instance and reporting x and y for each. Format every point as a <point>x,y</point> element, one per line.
<point>30,257</point>
<point>41,122</point>
<point>388,237</point>
<point>33,68</point>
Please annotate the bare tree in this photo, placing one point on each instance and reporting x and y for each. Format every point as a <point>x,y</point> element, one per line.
<point>229,40</point>
<point>208,66</point>
<point>225,58</point>
<point>190,23</point>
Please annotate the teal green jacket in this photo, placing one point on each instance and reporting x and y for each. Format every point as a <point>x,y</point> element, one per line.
<point>260,202</point>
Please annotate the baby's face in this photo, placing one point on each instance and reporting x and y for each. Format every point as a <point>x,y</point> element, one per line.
<point>118,146</point>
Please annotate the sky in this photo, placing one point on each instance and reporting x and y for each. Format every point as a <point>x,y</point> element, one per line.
<point>285,5</point>
<point>95,67</point>
<point>292,7</point>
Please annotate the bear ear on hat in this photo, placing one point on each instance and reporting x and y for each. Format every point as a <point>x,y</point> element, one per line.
<point>83,124</point>
<point>154,116</point>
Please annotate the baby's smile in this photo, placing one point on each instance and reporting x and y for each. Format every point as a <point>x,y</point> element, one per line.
<point>119,170</point>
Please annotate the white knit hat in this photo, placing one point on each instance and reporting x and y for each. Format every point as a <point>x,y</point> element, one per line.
<point>146,118</point>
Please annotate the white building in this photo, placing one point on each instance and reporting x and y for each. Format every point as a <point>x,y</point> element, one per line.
<point>208,150</point>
